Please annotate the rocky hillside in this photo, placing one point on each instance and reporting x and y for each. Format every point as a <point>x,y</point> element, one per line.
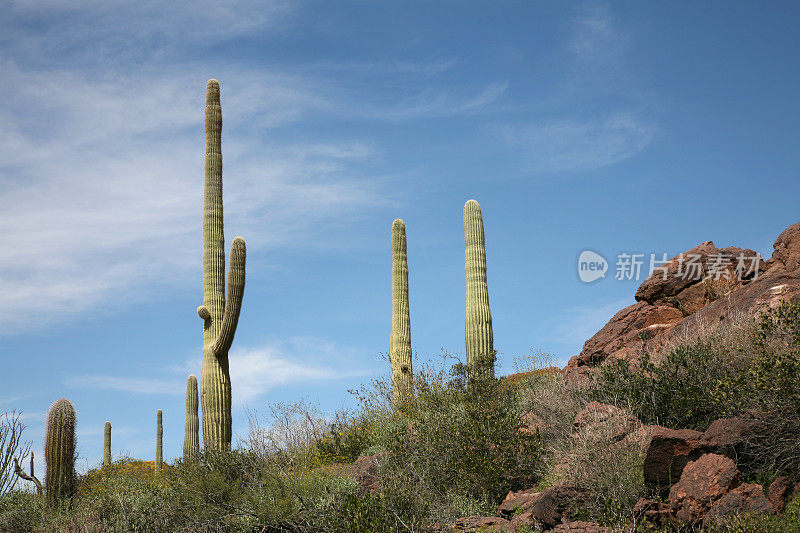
<point>676,300</point>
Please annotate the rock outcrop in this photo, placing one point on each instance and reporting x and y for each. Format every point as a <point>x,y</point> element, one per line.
<point>705,284</point>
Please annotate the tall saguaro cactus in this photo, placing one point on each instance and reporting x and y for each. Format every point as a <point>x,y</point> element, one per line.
<point>59,451</point>
<point>220,315</point>
<point>400,339</point>
<point>191,437</point>
<point>159,442</point>
<point>107,445</point>
<point>478,320</point>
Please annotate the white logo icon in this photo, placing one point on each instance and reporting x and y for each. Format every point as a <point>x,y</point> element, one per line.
<point>591,266</point>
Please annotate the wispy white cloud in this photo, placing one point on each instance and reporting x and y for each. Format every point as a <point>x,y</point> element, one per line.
<point>573,144</point>
<point>434,103</point>
<point>125,384</point>
<point>94,30</point>
<point>596,42</point>
<point>255,371</point>
<point>597,115</point>
<point>102,185</point>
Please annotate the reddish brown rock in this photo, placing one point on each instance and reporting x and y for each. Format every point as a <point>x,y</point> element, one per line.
<point>483,524</point>
<point>688,269</point>
<point>516,502</point>
<point>549,506</point>
<point>618,336</point>
<point>779,492</point>
<point>667,455</point>
<point>746,498</point>
<point>581,527</point>
<point>787,249</point>
<point>667,307</point>
<point>728,435</point>
<point>702,483</point>
<point>367,471</point>
<point>523,520</point>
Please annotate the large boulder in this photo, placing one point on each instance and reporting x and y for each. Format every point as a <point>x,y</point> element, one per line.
<point>546,508</point>
<point>516,503</point>
<point>746,498</point>
<point>669,282</point>
<point>670,450</point>
<point>729,436</point>
<point>702,483</point>
<point>551,505</point>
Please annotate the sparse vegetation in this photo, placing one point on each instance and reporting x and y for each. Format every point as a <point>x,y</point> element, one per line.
<point>458,444</point>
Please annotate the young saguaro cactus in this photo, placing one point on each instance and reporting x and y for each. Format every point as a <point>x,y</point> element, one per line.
<point>107,445</point>
<point>400,339</point>
<point>159,441</point>
<point>59,451</point>
<point>220,315</point>
<point>191,437</point>
<point>478,320</point>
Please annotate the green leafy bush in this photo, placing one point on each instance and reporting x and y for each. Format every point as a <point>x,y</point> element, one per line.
<point>462,439</point>
<point>745,367</point>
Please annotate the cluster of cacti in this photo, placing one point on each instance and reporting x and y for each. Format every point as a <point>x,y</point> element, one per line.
<point>400,338</point>
<point>219,315</point>
<point>107,444</point>
<point>478,318</point>
<point>191,437</point>
<point>159,442</point>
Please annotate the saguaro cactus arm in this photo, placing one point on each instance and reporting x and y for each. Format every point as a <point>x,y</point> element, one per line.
<point>233,302</point>
<point>32,477</point>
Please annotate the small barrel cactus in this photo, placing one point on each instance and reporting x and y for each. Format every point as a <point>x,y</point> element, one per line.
<point>59,451</point>
<point>191,437</point>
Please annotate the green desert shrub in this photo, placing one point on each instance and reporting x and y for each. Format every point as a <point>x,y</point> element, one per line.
<point>460,442</point>
<point>694,385</point>
<point>21,511</point>
<point>739,367</point>
<point>607,471</point>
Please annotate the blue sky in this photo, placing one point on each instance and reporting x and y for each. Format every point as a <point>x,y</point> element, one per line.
<point>618,127</point>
